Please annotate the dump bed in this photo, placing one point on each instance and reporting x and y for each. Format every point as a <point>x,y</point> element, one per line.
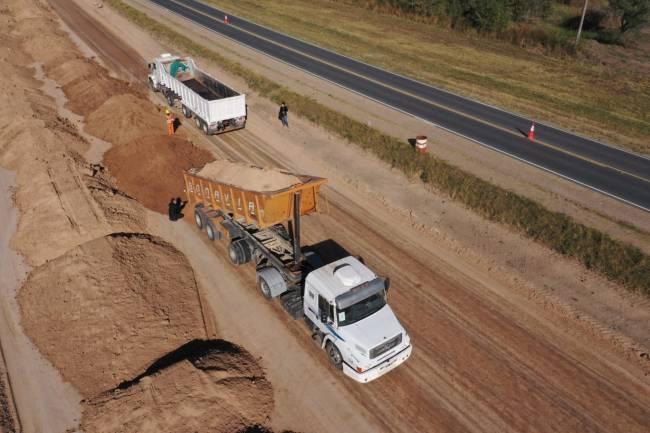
<point>261,208</point>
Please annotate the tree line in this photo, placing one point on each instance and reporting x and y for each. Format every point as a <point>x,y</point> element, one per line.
<point>495,15</point>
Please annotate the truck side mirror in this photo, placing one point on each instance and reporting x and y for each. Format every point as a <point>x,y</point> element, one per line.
<point>323,316</point>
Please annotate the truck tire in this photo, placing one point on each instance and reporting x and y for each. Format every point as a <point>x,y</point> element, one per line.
<point>204,127</point>
<point>198,219</point>
<point>170,98</point>
<point>270,281</point>
<point>152,86</point>
<point>239,252</point>
<point>186,111</point>
<point>334,355</point>
<point>213,234</point>
<point>263,287</point>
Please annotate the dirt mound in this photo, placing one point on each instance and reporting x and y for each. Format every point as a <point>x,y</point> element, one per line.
<point>86,93</point>
<point>105,309</point>
<point>150,169</point>
<point>203,386</point>
<point>124,118</point>
<point>248,176</point>
<point>66,72</point>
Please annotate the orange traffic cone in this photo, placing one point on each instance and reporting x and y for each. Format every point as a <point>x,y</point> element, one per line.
<point>531,133</point>
<point>225,19</point>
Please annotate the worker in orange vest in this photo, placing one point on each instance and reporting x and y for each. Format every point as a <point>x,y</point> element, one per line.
<point>170,122</point>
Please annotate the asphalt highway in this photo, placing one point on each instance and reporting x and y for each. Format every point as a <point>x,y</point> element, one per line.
<point>609,170</point>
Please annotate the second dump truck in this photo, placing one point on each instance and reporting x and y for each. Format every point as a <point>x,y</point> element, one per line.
<point>215,107</point>
<point>343,303</point>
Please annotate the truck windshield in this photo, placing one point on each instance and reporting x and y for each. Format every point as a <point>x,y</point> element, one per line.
<point>361,309</point>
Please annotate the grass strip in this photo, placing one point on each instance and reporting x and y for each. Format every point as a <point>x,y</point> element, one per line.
<point>616,260</point>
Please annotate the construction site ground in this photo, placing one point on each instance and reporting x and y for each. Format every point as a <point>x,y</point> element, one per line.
<point>114,318</point>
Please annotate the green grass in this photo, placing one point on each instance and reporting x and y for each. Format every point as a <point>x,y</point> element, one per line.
<point>608,104</point>
<point>614,259</point>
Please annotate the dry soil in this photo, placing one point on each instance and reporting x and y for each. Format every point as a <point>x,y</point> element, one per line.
<point>150,168</point>
<point>104,301</point>
<point>248,176</point>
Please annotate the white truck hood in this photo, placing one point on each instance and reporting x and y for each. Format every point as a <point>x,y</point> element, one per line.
<point>373,330</point>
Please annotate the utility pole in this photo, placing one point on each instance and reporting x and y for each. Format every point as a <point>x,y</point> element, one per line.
<point>582,20</point>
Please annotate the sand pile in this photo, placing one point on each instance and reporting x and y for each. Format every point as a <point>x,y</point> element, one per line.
<point>66,72</point>
<point>124,118</point>
<point>248,176</point>
<point>204,386</point>
<point>150,169</point>
<point>104,310</point>
<point>85,94</point>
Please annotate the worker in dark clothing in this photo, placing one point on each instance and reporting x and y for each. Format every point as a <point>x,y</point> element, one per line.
<point>180,205</point>
<point>172,210</point>
<point>175,209</point>
<point>283,115</point>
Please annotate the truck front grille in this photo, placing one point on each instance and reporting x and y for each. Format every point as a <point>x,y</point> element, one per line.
<point>386,346</point>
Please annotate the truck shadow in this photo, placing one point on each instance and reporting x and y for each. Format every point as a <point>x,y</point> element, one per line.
<point>329,251</point>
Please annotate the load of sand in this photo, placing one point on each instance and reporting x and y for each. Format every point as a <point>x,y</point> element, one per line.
<point>248,176</point>
<point>203,386</point>
<point>150,169</point>
<point>124,118</point>
<point>104,310</point>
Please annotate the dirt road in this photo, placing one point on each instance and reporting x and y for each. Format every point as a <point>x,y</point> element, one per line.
<point>486,358</point>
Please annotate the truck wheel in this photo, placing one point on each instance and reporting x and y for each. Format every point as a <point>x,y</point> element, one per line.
<point>152,86</point>
<point>334,355</point>
<point>204,126</point>
<point>198,122</point>
<point>213,234</point>
<point>264,287</point>
<point>170,99</point>
<point>239,252</point>
<point>186,112</point>
<point>198,219</point>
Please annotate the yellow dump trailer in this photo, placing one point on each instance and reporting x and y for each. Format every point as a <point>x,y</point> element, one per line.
<point>261,208</point>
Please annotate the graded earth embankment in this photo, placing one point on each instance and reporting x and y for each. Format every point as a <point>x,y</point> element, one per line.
<point>104,310</point>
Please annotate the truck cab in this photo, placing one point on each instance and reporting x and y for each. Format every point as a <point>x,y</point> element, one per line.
<point>345,306</point>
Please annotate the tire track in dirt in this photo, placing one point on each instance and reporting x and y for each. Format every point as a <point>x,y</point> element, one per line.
<point>481,363</point>
<point>112,54</point>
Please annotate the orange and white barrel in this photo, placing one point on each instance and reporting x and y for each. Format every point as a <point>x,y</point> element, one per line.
<point>421,144</point>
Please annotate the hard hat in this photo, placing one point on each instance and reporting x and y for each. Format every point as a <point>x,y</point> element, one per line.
<point>167,111</point>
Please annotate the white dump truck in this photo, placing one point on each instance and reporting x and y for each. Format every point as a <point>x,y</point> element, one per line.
<point>343,303</point>
<point>215,107</point>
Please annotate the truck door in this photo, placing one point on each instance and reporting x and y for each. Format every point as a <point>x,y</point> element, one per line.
<point>311,305</point>
<point>325,314</point>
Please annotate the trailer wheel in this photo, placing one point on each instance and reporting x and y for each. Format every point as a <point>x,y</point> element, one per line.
<point>204,126</point>
<point>213,234</point>
<point>198,219</point>
<point>186,112</point>
<point>270,282</point>
<point>170,98</point>
<point>334,355</point>
<point>239,252</point>
<point>263,285</point>
<point>152,86</point>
